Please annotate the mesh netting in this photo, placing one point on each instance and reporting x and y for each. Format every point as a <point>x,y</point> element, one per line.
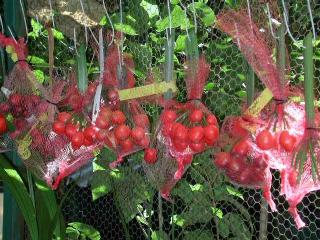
<point>204,204</point>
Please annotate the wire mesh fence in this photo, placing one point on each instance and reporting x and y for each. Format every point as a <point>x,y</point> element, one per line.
<point>204,205</point>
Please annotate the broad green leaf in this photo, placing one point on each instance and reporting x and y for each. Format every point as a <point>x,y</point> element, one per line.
<point>73,234</point>
<point>125,28</point>
<point>39,75</point>
<point>223,227</point>
<point>238,227</point>
<point>82,72</point>
<point>159,235</point>
<point>197,213</point>
<point>85,230</point>
<point>178,220</point>
<point>209,86</point>
<point>36,60</point>
<point>58,35</point>
<point>36,29</point>
<point>199,235</point>
<point>19,191</point>
<point>197,187</point>
<point>205,13</point>
<point>217,212</point>
<point>234,192</point>
<point>100,184</point>
<point>177,18</point>
<point>183,191</point>
<point>175,2</point>
<point>180,43</point>
<point>152,10</point>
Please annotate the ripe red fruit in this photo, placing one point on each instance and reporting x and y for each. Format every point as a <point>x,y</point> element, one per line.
<point>198,147</point>
<point>211,134</point>
<point>287,141</point>
<point>141,120</point>
<point>87,142</point>
<point>126,145</point>
<point>102,122</point>
<point>196,134</point>
<point>105,113</point>
<point>265,140</point>
<point>118,117</point>
<point>101,135</point>
<point>77,140</point>
<point>15,99</point>
<point>150,155</point>
<point>91,89</point>
<point>180,145</point>
<point>241,148</point>
<point>168,116</point>
<point>196,116</point>
<point>71,130</point>
<point>293,175</point>
<point>138,133</point>
<point>90,133</point>
<point>64,117</point>
<point>222,159</point>
<point>180,133</point>
<point>59,127</point>
<point>112,95</point>
<point>245,176</point>
<point>235,165</point>
<point>122,132</point>
<point>166,129</point>
<point>212,120</point>
<point>3,124</point>
<point>144,142</point>
<point>4,107</point>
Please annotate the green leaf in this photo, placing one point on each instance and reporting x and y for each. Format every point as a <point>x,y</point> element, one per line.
<point>177,19</point>
<point>19,191</point>
<point>125,28</point>
<point>152,10</point>
<point>84,229</point>
<point>37,60</point>
<point>58,35</point>
<point>209,86</point>
<point>177,220</point>
<point>223,227</point>
<point>82,72</point>
<point>237,226</point>
<point>217,212</point>
<point>198,212</point>
<point>100,184</point>
<point>199,235</point>
<point>39,75</point>
<point>181,43</point>
<point>175,2</point>
<point>205,13</point>
<point>183,191</point>
<point>159,235</point>
<point>36,29</point>
<point>234,192</point>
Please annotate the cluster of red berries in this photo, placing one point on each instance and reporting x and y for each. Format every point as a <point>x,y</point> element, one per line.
<point>3,124</point>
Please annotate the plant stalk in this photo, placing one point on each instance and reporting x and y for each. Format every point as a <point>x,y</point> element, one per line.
<point>82,72</point>
<point>250,85</point>
<point>308,79</point>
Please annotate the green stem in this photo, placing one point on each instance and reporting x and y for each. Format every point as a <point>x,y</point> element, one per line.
<point>250,85</point>
<point>308,79</point>
<point>30,186</point>
<point>82,72</point>
<point>281,52</point>
<point>169,62</point>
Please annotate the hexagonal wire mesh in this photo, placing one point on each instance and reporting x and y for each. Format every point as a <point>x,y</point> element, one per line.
<point>204,205</point>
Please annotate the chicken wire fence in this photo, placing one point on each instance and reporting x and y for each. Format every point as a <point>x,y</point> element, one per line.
<point>204,204</point>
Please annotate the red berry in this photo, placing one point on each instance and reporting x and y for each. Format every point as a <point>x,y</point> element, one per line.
<point>166,129</point>
<point>287,141</point>
<point>105,113</point>
<point>235,165</point>
<point>196,116</point>
<point>196,134</point>
<point>118,117</point>
<point>101,135</point>
<point>87,142</point>
<point>4,107</point>
<point>265,140</point>
<point>64,117</point>
<point>168,116</point>
<point>126,145</point>
<point>90,133</point>
<point>141,120</point>
<point>15,99</point>
<point>102,123</point>
<point>180,145</point>
<point>77,140</point>
<point>138,133</point>
<point>222,159</point>
<point>59,127</point>
<point>91,89</point>
<point>71,130</point>
<point>112,95</point>
<point>150,155</point>
<point>122,132</point>
<point>3,125</point>
<point>180,133</point>
<point>211,134</point>
<point>144,142</point>
<point>212,120</point>
<point>198,147</point>
<point>241,148</point>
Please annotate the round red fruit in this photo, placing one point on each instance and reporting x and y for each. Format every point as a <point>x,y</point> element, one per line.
<point>196,134</point>
<point>235,165</point>
<point>90,133</point>
<point>245,176</point>
<point>166,129</point>
<point>102,123</point>
<point>287,141</point>
<point>105,112</point>
<point>150,155</point>
<point>138,133</point>
<point>122,132</point>
<point>198,147</point>
<point>141,120</point>
<point>71,130</point>
<point>64,117</point>
<point>112,95</point>
<point>118,117</point>
<point>91,89</point>
<point>4,107</point>
<point>15,99</point>
<point>265,140</point>
<point>126,145</point>
<point>77,140</point>
<point>168,116</point>
<point>196,116</point>
<point>3,125</point>
<point>241,148</point>
<point>101,135</point>
<point>211,134</point>
<point>212,120</point>
<point>181,133</point>
<point>180,145</point>
<point>222,159</point>
<point>87,142</point>
<point>59,127</point>
<point>144,142</point>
